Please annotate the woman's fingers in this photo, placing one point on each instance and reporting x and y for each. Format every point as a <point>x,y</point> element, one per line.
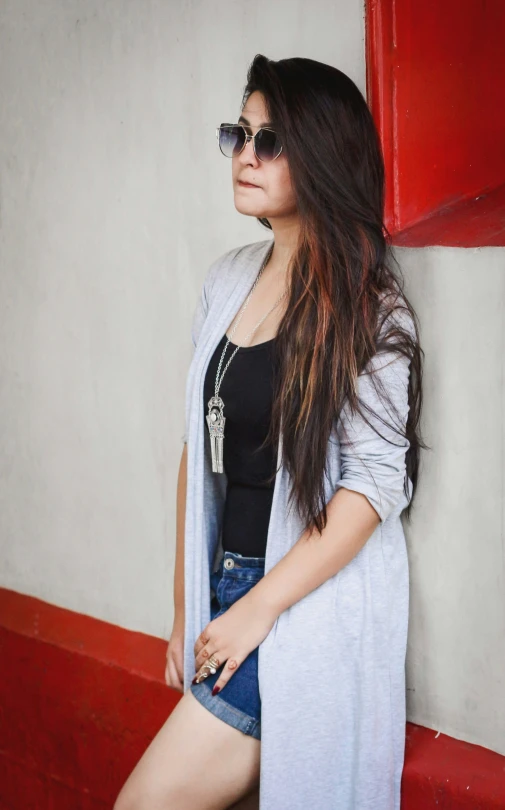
<point>206,645</point>
<point>176,653</point>
<point>203,669</point>
<point>232,663</point>
<point>201,641</point>
<point>179,668</point>
<point>173,677</point>
<point>205,653</point>
<point>168,676</point>
<point>229,670</point>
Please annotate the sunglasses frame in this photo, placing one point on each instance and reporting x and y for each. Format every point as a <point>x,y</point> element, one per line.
<point>247,139</point>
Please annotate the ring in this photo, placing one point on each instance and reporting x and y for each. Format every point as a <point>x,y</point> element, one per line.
<point>213,664</point>
<point>209,668</point>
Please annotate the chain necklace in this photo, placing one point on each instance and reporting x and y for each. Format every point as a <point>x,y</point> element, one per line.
<point>215,418</point>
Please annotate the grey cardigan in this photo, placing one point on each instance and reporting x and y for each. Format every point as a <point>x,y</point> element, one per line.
<point>332,669</point>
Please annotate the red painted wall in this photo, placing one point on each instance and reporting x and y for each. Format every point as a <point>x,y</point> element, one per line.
<point>435,84</point>
<point>81,700</point>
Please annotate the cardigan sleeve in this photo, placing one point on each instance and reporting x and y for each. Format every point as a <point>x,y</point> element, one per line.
<point>202,305</point>
<point>370,463</point>
<point>203,302</point>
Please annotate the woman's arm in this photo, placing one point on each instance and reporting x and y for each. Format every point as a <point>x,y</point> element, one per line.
<point>311,561</point>
<point>370,487</point>
<point>179,547</point>
<point>174,669</point>
<point>315,558</point>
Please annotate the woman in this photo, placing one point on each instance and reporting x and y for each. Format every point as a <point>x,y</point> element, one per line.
<point>302,408</point>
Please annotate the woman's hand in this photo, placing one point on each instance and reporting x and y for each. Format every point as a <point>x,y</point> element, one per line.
<point>232,636</point>
<point>174,670</point>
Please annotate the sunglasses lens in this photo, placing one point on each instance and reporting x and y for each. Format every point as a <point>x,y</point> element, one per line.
<point>231,139</point>
<point>268,144</point>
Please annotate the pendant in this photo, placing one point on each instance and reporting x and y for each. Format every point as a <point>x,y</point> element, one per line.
<point>215,422</point>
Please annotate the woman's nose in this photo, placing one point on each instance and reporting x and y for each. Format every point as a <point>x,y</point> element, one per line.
<point>247,154</point>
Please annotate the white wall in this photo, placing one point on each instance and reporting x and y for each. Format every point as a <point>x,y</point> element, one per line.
<point>456,542</point>
<point>114,199</point>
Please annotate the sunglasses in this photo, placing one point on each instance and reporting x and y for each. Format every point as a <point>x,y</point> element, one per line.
<point>233,137</point>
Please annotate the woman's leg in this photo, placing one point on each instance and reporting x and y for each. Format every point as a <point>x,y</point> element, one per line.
<point>250,802</point>
<point>195,762</point>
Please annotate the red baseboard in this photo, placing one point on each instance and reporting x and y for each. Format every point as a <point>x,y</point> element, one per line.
<point>81,699</point>
<point>442,773</point>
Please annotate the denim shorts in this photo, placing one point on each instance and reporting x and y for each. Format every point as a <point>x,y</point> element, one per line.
<point>238,702</point>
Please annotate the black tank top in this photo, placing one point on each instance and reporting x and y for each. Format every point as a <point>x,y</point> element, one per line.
<point>247,392</point>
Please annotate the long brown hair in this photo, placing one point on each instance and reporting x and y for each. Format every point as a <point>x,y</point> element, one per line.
<point>339,279</point>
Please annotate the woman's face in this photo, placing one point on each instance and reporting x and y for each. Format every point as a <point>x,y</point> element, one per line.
<point>272,195</point>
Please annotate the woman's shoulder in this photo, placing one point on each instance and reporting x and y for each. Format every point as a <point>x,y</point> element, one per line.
<point>224,267</point>
<point>395,313</point>
<point>245,253</point>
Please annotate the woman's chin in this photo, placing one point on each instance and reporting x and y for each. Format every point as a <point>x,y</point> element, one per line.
<point>248,210</point>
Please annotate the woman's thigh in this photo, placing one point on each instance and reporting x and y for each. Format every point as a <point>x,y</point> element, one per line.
<point>250,802</point>
<point>195,762</point>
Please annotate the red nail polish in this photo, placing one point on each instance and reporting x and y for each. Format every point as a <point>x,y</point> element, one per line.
<point>216,690</point>
<point>194,679</point>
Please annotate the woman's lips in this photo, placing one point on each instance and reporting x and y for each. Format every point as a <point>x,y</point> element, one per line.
<point>247,185</point>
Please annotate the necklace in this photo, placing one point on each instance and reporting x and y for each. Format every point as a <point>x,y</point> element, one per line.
<point>215,417</point>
